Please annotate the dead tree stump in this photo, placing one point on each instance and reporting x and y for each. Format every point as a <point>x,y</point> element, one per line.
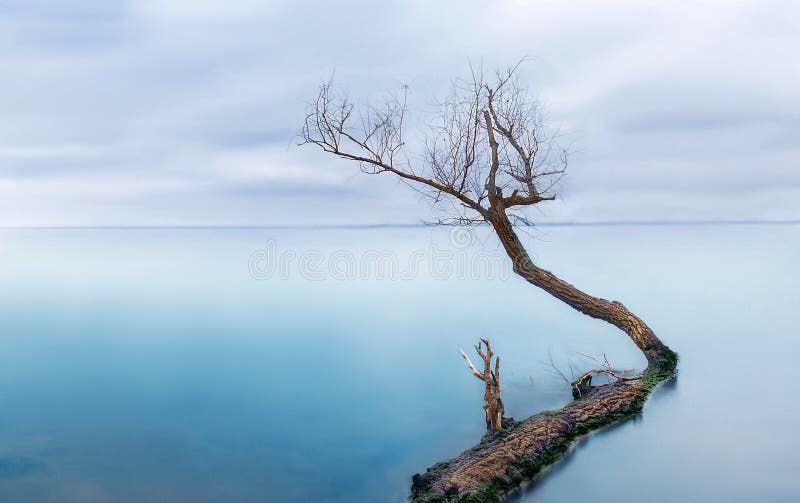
<point>492,403</point>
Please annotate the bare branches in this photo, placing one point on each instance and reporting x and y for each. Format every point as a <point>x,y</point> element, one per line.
<point>375,143</point>
<point>459,221</point>
<point>555,370</point>
<point>605,368</point>
<point>376,135</point>
<point>583,382</point>
<point>525,146</point>
<point>453,141</point>
<point>487,148</point>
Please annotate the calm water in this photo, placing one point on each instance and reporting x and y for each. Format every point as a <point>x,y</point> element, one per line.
<point>153,365</point>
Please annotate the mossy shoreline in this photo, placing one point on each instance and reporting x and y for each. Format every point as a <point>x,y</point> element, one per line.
<point>527,467</point>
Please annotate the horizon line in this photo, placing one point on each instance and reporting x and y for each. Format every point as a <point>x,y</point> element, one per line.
<point>599,223</point>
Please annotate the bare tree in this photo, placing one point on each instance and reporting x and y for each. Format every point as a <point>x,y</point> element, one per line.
<point>489,152</point>
<point>487,148</point>
<point>492,403</point>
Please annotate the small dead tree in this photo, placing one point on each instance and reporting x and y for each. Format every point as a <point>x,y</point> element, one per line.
<point>492,403</point>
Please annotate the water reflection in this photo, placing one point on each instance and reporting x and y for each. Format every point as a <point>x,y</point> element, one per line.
<point>528,493</point>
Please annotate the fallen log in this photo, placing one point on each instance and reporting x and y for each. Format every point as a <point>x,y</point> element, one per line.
<point>523,451</point>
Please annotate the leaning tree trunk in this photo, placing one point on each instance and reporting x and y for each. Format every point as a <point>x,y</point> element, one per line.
<point>504,460</point>
<point>610,311</point>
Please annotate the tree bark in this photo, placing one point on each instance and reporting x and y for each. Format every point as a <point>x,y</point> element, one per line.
<point>503,460</point>
<point>492,403</point>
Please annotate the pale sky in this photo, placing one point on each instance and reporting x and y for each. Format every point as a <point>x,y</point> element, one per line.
<point>183,112</point>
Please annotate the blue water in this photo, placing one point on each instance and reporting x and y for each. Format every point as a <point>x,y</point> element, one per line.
<point>154,365</point>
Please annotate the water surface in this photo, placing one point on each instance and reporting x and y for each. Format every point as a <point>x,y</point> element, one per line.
<point>153,365</point>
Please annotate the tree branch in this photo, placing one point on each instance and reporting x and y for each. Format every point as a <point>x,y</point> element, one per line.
<point>494,162</point>
<point>471,366</point>
<point>483,142</point>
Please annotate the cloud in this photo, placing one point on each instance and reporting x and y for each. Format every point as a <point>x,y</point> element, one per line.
<point>153,111</point>
<point>205,9</point>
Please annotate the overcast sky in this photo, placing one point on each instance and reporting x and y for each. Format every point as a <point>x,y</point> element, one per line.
<point>182,112</point>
